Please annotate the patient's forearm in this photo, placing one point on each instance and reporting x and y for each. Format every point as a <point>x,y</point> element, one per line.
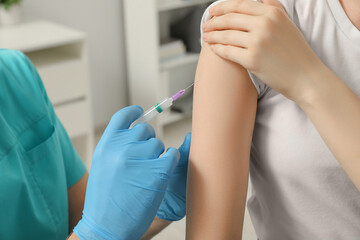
<point>156,227</point>
<point>223,119</point>
<point>334,110</point>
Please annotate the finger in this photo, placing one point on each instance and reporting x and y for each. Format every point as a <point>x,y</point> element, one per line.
<point>231,53</point>
<point>123,118</point>
<point>274,3</point>
<point>233,21</point>
<point>157,146</point>
<point>145,150</point>
<point>142,132</point>
<point>171,159</point>
<point>228,37</point>
<point>184,150</point>
<point>185,146</point>
<point>248,7</point>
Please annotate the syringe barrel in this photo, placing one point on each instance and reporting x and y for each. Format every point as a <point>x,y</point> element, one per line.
<point>153,111</point>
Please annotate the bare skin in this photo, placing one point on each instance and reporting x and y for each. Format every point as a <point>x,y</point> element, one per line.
<point>76,200</point>
<point>73,236</point>
<point>331,105</point>
<point>352,10</point>
<point>220,149</point>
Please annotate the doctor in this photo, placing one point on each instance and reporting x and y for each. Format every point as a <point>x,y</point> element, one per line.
<point>43,180</point>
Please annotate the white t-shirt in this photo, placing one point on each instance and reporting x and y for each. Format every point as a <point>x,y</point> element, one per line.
<point>299,189</point>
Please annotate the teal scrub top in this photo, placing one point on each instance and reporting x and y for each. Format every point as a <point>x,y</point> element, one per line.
<point>38,162</point>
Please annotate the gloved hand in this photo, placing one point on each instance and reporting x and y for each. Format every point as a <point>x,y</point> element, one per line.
<point>127,180</point>
<point>173,206</point>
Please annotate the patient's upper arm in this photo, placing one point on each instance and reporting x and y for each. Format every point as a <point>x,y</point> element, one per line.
<point>224,112</point>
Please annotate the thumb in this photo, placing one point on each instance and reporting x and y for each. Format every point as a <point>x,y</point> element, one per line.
<point>274,3</point>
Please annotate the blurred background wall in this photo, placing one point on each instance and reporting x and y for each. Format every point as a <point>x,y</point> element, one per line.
<point>102,21</point>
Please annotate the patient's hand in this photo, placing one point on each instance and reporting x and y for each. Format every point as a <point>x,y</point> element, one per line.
<point>263,39</point>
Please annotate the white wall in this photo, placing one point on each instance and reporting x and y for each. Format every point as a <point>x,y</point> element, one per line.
<point>102,21</point>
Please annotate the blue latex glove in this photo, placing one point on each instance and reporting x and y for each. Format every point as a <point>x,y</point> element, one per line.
<point>173,206</point>
<point>127,180</point>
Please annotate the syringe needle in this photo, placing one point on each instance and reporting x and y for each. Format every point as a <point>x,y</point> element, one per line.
<point>181,92</point>
<point>189,87</point>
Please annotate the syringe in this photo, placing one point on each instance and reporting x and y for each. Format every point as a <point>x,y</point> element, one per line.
<point>159,107</point>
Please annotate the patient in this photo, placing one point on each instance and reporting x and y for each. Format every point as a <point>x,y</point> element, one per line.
<point>300,191</point>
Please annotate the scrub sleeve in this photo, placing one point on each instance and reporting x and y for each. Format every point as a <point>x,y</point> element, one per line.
<point>38,162</point>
